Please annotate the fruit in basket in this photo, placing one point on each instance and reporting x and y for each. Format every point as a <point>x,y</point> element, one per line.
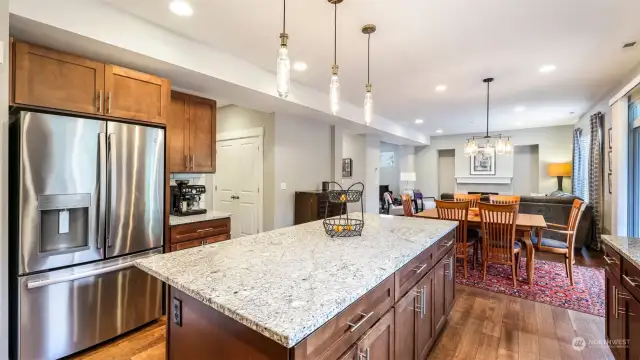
<point>349,227</point>
<point>343,197</point>
<point>337,228</point>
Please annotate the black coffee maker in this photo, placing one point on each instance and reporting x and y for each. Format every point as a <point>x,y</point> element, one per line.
<point>185,198</point>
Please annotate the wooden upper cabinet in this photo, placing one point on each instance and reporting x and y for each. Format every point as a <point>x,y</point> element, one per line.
<point>135,95</point>
<point>56,80</point>
<point>202,131</point>
<point>177,132</point>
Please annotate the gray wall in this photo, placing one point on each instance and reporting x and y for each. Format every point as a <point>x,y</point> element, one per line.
<point>4,104</point>
<point>526,170</point>
<point>555,145</point>
<point>353,146</point>
<point>302,161</point>
<point>391,175</point>
<point>234,118</point>
<point>446,170</point>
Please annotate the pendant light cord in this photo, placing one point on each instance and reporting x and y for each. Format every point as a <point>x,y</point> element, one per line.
<point>368,58</point>
<point>488,83</point>
<point>335,34</point>
<point>284,16</point>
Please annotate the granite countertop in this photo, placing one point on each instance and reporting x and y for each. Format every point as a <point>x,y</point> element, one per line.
<point>628,247</point>
<point>288,282</point>
<point>210,215</point>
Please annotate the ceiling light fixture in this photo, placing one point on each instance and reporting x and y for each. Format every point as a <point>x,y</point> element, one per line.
<point>492,143</point>
<point>547,68</point>
<point>519,109</point>
<point>441,88</point>
<point>334,85</point>
<point>300,66</point>
<point>368,98</point>
<point>419,121</point>
<point>439,131</point>
<point>181,8</point>
<point>283,75</point>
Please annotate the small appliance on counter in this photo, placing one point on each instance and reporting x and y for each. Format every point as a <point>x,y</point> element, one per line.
<point>185,198</point>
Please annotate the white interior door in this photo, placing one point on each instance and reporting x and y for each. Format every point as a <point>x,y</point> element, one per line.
<point>238,182</point>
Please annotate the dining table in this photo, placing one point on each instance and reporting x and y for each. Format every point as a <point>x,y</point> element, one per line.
<point>525,225</point>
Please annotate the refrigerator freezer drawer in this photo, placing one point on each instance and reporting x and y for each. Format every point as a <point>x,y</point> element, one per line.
<point>65,311</point>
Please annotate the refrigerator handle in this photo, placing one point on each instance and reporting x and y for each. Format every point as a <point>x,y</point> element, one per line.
<point>102,188</point>
<point>111,187</point>
<point>72,277</point>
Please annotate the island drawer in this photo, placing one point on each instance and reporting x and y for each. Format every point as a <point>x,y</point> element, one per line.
<point>442,247</point>
<point>409,275</point>
<point>613,260</point>
<point>631,278</point>
<point>199,230</point>
<point>336,336</point>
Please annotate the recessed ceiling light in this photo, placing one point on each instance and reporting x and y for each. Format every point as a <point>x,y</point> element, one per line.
<point>547,68</point>
<point>419,121</point>
<point>181,8</point>
<point>441,88</point>
<point>519,109</point>
<point>519,123</point>
<point>439,131</point>
<point>300,66</point>
<point>572,113</point>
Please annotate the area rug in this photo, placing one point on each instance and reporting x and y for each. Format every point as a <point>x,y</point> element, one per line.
<point>550,285</point>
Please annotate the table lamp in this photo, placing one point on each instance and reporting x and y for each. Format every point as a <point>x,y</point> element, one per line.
<point>407,176</point>
<point>559,170</point>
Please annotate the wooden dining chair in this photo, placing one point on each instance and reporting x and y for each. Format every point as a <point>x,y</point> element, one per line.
<point>473,199</point>
<point>504,199</point>
<point>407,205</point>
<point>499,244</point>
<point>558,246</point>
<point>459,211</point>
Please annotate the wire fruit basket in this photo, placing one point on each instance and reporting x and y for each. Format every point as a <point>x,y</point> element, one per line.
<point>343,226</point>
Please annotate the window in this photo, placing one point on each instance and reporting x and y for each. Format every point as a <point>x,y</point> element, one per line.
<point>634,168</point>
<point>581,172</point>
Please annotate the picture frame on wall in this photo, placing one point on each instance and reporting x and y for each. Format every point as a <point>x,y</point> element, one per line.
<point>610,183</point>
<point>610,139</point>
<point>347,167</point>
<point>609,159</point>
<point>483,163</point>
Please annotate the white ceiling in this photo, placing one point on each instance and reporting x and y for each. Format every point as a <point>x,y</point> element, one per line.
<point>422,43</point>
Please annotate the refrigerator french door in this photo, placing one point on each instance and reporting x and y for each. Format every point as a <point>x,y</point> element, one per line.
<point>89,198</point>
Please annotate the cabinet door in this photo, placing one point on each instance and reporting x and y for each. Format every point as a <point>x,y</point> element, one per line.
<point>135,95</point>
<point>613,319</point>
<point>424,319</point>
<point>438,298</point>
<point>351,354</point>
<point>215,239</point>
<point>378,342</point>
<point>186,245</point>
<point>178,133</point>
<point>631,313</point>
<point>202,133</point>
<point>449,282</point>
<point>51,79</point>
<point>407,315</point>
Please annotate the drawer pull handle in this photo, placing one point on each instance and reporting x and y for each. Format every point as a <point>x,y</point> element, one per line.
<point>448,243</point>
<point>357,325</point>
<point>203,230</point>
<point>622,295</point>
<point>419,269</point>
<point>610,260</point>
<point>624,311</point>
<point>631,281</point>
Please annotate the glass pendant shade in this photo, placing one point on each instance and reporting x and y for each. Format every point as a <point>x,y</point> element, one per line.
<point>508,148</point>
<point>488,148</point>
<point>368,108</point>
<point>473,151</point>
<point>334,94</point>
<point>283,72</point>
<point>500,147</point>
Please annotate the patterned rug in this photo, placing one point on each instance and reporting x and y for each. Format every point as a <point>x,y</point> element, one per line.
<point>550,284</point>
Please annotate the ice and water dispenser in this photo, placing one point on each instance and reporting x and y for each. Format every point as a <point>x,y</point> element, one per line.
<point>64,223</point>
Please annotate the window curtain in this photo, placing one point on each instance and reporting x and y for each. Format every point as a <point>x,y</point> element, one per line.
<point>578,178</point>
<point>595,175</point>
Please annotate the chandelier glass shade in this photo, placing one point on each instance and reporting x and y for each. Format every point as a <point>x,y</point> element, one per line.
<point>283,66</point>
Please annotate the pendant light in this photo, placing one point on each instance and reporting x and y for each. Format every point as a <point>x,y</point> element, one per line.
<point>334,86</point>
<point>493,143</point>
<point>368,98</point>
<point>283,63</point>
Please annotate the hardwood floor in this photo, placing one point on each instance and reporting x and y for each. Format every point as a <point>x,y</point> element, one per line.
<point>482,325</point>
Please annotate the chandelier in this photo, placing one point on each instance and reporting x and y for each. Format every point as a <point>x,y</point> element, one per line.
<point>283,64</point>
<point>334,85</point>
<point>492,143</point>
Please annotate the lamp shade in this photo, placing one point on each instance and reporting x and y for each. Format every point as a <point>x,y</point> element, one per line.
<point>407,176</point>
<point>562,169</point>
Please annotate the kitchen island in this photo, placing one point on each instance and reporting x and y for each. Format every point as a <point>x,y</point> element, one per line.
<point>295,293</point>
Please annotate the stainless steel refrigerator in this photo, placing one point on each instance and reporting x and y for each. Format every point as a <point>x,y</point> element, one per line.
<point>87,199</point>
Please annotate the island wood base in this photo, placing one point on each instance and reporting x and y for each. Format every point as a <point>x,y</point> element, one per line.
<point>404,315</point>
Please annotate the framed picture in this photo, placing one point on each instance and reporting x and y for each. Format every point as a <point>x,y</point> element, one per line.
<point>347,165</point>
<point>484,163</point>
<point>387,159</point>
<point>610,142</point>
<point>610,185</point>
<point>609,158</point>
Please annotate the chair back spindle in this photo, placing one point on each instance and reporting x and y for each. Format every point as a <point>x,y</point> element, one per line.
<point>456,211</point>
<point>504,199</point>
<point>473,199</point>
<point>407,206</point>
<point>498,231</point>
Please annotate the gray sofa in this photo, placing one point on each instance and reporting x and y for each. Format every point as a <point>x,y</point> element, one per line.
<point>555,209</point>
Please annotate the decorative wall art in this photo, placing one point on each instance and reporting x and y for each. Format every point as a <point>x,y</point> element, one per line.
<point>483,163</point>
